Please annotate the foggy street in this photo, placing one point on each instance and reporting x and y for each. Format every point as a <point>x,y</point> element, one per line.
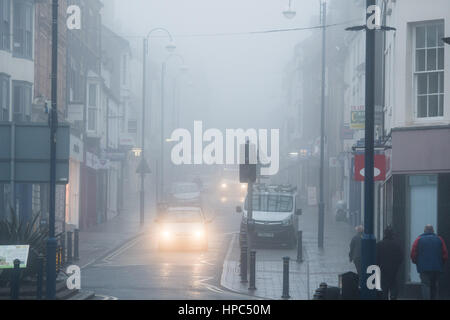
<point>193,150</point>
<point>141,272</point>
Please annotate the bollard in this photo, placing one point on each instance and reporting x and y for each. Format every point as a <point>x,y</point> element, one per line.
<point>286,278</point>
<point>63,249</point>
<point>318,295</point>
<point>300,246</point>
<point>40,276</point>
<point>58,259</point>
<point>244,257</point>
<point>76,248</point>
<point>15,281</point>
<point>252,270</point>
<point>69,247</point>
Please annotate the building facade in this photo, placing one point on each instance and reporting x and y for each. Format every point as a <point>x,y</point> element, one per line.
<point>417,124</point>
<point>17,76</point>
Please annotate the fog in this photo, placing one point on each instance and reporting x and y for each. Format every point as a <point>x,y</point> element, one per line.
<point>236,79</point>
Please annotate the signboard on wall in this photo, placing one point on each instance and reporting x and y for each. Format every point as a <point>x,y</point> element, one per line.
<point>357,120</point>
<point>25,153</point>
<point>379,171</point>
<point>358,117</point>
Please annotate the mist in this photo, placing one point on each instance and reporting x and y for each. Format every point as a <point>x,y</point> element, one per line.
<point>241,75</point>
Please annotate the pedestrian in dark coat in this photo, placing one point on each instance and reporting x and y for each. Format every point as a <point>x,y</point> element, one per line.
<point>389,259</point>
<point>429,253</point>
<point>355,249</point>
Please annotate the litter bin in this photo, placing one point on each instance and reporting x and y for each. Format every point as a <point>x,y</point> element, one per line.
<point>349,285</point>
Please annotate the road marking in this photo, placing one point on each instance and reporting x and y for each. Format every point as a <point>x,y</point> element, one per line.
<point>122,249</point>
<point>209,286</point>
<point>233,239</point>
<point>106,297</point>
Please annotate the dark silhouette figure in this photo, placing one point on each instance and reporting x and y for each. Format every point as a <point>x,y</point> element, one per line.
<point>355,249</point>
<point>389,259</point>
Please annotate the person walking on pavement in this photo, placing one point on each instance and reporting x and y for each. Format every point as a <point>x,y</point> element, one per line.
<point>389,259</point>
<point>429,254</point>
<point>355,249</point>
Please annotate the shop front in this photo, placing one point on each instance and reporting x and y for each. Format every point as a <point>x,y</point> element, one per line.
<point>420,186</point>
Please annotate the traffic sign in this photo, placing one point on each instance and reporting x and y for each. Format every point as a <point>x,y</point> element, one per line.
<point>143,167</point>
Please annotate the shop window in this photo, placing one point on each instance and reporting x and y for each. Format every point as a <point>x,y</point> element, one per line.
<point>422,210</point>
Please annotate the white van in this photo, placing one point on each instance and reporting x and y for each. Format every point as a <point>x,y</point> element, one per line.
<point>275,214</point>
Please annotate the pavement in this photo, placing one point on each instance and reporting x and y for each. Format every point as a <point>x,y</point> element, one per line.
<point>319,265</point>
<point>99,240</point>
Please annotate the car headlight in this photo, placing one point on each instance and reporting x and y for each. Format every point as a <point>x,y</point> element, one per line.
<point>287,222</point>
<point>200,233</point>
<point>243,186</point>
<point>224,185</point>
<point>166,234</point>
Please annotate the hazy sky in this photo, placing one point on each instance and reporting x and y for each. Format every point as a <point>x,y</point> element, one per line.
<point>243,73</point>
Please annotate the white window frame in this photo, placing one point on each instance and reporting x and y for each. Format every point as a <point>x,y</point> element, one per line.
<point>416,73</point>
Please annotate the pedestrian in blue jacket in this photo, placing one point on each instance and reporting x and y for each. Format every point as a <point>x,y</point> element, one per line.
<point>429,254</point>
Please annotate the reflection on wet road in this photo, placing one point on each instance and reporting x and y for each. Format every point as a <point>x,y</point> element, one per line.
<point>138,270</point>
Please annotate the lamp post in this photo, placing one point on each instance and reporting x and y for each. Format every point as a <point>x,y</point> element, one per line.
<point>322,131</point>
<point>368,243</point>
<point>143,166</point>
<point>289,13</point>
<point>163,76</point>
<point>51,241</point>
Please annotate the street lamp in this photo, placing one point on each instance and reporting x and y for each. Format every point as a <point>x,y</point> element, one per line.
<point>368,242</point>
<point>53,123</point>
<point>143,168</point>
<point>289,13</point>
<point>183,68</point>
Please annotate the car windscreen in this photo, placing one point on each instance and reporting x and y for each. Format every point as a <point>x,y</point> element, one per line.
<point>182,216</point>
<point>185,188</point>
<point>271,203</point>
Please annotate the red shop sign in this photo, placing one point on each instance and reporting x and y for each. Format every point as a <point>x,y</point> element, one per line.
<point>379,171</point>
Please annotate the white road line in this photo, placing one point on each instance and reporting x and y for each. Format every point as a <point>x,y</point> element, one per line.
<point>106,297</point>
<point>227,258</point>
<point>122,249</point>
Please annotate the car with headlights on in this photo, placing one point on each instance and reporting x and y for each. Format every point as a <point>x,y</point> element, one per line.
<point>182,228</point>
<point>185,194</point>
<point>230,190</point>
